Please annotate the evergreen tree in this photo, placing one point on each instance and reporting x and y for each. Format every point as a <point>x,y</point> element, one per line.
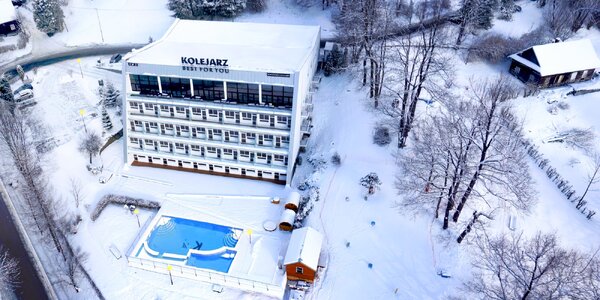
<point>206,9</point>
<point>106,123</point>
<point>48,16</point>
<point>5,90</point>
<point>109,95</point>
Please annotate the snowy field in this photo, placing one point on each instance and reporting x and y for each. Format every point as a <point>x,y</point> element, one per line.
<point>405,252</point>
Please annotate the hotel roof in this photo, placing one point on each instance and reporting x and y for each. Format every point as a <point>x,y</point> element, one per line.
<point>245,46</point>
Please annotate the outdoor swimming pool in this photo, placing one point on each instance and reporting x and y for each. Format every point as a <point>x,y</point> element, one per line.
<point>198,244</point>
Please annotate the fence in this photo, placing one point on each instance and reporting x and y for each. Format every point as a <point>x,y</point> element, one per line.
<point>206,276</point>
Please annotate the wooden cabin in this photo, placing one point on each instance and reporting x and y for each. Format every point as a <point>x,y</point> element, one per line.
<point>555,64</point>
<point>8,18</point>
<point>302,256</point>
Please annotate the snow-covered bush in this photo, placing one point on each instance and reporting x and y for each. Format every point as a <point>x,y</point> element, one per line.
<point>5,90</point>
<point>371,182</point>
<point>381,135</point>
<point>306,205</point>
<point>336,160</point>
<point>494,47</point>
<point>122,200</point>
<point>317,161</point>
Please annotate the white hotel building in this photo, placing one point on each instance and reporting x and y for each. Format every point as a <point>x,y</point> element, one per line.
<point>222,98</point>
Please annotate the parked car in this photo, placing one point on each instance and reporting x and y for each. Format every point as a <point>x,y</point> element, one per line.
<point>24,98</point>
<point>116,58</point>
<point>23,95</point>
<point>26,86</point>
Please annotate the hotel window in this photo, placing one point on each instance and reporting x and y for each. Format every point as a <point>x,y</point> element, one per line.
<point>179,146</point>
<point>285,139</point>
<point>195,147</point>
<point>176,87</point>
<point>211,149</point>
<point>133,105</point>
<point>146,85</point>
<point>261,155</point>
<point>264,118</point>
<point>246,116</point>
<point>242,92</point>
<point>164,144</point>
<point>277,95</point>
<point>180,110</point>
<point>149,142</point>
<point>196,111</point>
<point>245,153</point>
<point>153,125</point>
<point>229,114</point>
<point>234,134</point>
<point>134,140</point>
<point>185,129</point>
<point>227,152</point>
<point>137,123</point>
<point>282,120</point>
<point>208,90</point>
<point>213,113</point>
<point>268,137</point>
<point>169,126</point>
<point>251,135</point>
<point>164,108</point>
<point>279,157</point>
<point>217,131</point>
<point>200,130</point>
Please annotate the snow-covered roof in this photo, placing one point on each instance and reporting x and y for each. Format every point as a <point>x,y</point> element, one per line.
<point>305,247</point>
<point>562,57</point>
<point>7,11</point>
<point>245,46</point>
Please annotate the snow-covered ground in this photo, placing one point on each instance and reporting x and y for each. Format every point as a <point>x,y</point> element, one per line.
<point>405,251</point>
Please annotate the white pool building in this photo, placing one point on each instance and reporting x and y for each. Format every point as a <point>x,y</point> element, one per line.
<point>223,98</point>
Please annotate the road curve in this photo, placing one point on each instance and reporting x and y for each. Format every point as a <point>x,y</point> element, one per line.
<point>29,62</point>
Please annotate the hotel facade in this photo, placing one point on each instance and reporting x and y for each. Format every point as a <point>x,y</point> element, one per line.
<point>223,98</point>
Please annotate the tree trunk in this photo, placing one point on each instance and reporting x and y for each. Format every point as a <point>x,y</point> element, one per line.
<point>468,229</point>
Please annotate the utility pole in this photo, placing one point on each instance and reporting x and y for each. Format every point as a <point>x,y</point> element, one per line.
<point>100,25</point>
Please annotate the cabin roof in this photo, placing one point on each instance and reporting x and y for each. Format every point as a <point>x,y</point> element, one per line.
<point>304,247</point>
<point>560,58</point>
<point>7,12</point>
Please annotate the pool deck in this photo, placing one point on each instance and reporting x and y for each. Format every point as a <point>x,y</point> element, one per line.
<point>257,255</point>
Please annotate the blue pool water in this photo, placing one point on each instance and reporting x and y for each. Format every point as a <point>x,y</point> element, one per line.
<point>178,236</point>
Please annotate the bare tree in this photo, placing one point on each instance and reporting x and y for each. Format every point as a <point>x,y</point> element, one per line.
<point>91,144</point>
<point>73,270</point>
<point>421,66</point>
<point>516,268</point>
<point>76,191</point>
<point>558,18</point>
<point>9,272</point>
<point>592,178</point>
<point>472,153</point>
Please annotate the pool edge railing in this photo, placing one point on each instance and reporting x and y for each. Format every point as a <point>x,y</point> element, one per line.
<point>207,276</point>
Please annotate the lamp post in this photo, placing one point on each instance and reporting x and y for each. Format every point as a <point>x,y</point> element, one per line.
<point>80,70</point>
<point>250,235</point>
<point>82,113</point>
<point>136,213</point>
<point>169,268</point>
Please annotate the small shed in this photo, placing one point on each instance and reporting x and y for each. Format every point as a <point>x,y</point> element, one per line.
<point>8,18</point>
<point>293,201</point>
<point>287,220</point>
<point>555,64</point>
<point>302,256</point>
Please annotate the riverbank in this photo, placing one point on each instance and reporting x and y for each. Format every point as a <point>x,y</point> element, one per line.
<point>34,280</point>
